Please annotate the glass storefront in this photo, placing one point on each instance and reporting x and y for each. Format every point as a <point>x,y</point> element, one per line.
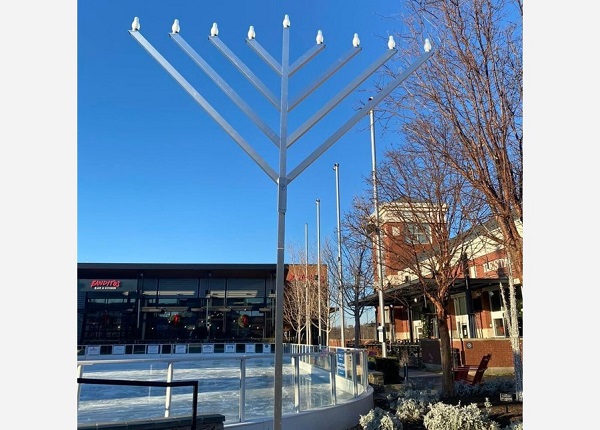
<point>165,308</point>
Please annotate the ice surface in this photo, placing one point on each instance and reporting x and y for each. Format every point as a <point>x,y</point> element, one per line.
<point>218,390</point>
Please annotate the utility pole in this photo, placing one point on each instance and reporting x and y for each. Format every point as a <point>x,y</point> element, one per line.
<point>282,139</point>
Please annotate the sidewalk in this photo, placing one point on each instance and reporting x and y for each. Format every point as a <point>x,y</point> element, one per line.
<point>425,378</point>
<point>416,378</point>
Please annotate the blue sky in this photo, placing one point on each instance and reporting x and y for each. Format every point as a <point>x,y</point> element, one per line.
<point>158,180</point>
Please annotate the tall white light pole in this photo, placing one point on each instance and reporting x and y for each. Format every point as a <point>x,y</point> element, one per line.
<point>377,236</point>
<point>282,139</point>
<point>336,167</point>
<point>319,292</point>
<point>306,287</point>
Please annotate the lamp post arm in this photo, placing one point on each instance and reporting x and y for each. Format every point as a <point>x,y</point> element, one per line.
<point>262,53</point>
<point>308,124</point>
<point>244,70</point>
<point>229,92</point>
<point>325,76</point>
<point>357,117</point>
<point>205,105</point>
<point>308,55</point>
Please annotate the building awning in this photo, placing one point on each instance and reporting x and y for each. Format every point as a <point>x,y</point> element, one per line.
<point>397,294</point>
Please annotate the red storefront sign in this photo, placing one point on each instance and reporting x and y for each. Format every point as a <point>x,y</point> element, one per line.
<point>105,284</point>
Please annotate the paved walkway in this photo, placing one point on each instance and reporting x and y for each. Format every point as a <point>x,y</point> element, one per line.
<point>425,377</point>
<point>419,378</point>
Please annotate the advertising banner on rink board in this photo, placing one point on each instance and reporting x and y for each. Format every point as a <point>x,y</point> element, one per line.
<point>267,348</point>
<point>153,349</point>
<point>180,349</point>
<point>341,363</point>
<point>250,347</point>
<point>208,348</point>
<point>93,350</point>
<point>118,349</point>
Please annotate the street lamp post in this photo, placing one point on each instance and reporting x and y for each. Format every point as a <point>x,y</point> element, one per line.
<point>392,325</point>
<point>468,296</point>
<point>306,287</point>
<point>336,167</point>
<point>319,292</point>
<point>283,140</point>
<point>377,235</point>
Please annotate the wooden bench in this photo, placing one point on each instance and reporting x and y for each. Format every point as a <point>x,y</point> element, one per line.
<point>462,373</point>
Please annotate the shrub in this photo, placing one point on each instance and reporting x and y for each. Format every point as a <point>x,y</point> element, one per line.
<point>514,426</point>
<point>378,419</point>
<point>449,417</point>
<point>410,410</point>
<point>485,388</point>
<point>412,404</point>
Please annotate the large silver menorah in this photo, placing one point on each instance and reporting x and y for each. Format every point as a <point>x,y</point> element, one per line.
<point>283,140</point>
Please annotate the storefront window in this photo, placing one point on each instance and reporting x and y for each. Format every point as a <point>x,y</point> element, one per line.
<point>499,327</point>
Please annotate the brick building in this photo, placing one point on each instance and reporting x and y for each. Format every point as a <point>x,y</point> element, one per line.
<point>475,306</point>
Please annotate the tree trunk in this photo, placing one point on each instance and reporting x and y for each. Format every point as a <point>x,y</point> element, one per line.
<point>446,355</point>
<point>356,327</point>
<point>513,332</point>
<point>513,242</point>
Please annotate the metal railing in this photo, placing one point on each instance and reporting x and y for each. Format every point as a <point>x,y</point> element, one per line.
<point>344,370</point>
<point>168,385</point>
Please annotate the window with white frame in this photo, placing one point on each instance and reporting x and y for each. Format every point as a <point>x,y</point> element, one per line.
<point>497,314</point>
<point>418,233</point>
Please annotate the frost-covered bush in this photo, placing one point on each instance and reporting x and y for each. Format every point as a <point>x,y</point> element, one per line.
<point>410,410</point>
<point>514,426</point>
<point>412,404</point>
<point>485,388</point>
<point>450,417</point>
<point>420,396</point>
<point>378,419</point>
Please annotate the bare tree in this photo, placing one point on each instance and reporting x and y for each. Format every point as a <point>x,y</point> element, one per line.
<point>301,297</point>
<point>294,306</point>
<point>466,106</point>
<point>319,306</point>
<point>357,250</point>
<point>428,211</point>
<point>357,267</point>
<point>329,254</point>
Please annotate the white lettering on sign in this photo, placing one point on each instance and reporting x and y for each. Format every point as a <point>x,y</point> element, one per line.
<point>494,265</point>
